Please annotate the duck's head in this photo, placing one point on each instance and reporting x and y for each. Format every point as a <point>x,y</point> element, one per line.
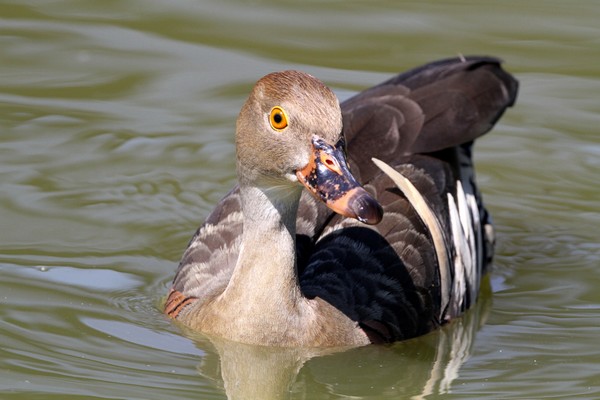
<point>289,132</point>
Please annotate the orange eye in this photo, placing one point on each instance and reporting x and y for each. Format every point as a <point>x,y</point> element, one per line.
<point>278,119</point>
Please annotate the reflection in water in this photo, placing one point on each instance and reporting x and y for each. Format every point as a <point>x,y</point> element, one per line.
<point>408,369</point>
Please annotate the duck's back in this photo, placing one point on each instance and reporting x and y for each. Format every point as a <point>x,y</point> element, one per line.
<point>410,273</point>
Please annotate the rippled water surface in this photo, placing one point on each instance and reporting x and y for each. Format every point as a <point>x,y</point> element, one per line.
<point>116,139</point>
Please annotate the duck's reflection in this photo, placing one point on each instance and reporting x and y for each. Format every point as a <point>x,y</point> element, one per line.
<point>413,369</point>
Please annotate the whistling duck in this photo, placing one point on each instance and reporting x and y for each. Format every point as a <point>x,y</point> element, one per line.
<point>341,264</point>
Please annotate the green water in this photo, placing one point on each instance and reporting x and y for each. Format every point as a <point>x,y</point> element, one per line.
<point>116,139</point>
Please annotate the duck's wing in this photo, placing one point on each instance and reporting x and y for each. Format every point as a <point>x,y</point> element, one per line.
<point>430,108</point>
<point>385,277</point>
<point>422,265</point>
<point>208,261</point>
<point>416,269</point>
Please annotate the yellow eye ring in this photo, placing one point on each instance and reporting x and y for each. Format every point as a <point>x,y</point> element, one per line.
<point>278,119</point>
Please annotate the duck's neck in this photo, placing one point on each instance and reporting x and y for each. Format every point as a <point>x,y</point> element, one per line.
<point>263,290</point>
<point>267,260</point>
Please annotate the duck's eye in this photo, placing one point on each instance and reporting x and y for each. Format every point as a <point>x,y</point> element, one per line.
<point>278,119</point>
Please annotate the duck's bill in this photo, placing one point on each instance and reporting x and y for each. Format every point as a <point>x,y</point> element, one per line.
<point>329,179</point>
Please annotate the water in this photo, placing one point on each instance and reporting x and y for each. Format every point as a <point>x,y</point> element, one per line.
<point>116,139</point>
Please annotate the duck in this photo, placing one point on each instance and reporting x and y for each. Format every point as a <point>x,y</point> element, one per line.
<point>353,223</point>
